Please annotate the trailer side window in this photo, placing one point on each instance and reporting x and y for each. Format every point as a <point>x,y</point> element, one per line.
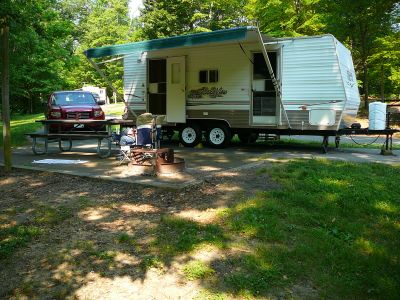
<point>203,76</point>
<point>213,75</point>
<point>208,76</point>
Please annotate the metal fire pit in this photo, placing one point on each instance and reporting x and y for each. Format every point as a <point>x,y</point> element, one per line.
<point>155,161</point>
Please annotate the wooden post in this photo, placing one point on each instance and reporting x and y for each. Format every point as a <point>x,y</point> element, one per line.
<point>6,98</point>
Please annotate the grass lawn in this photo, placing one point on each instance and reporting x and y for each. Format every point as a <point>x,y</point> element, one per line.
<point>332,230</point>
<point>21,124</point>
<point>115,109</point>
<point>292,142</point>
<point>315,144</point>
<point>324,229</point>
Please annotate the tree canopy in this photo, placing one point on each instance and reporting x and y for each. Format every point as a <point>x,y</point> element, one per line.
<point>48,37</point>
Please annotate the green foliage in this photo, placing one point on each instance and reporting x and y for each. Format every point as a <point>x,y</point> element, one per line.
<point>125,238</point>
<point>286,17</point>
<point>47,215</point>
<point>386,61</point>
<point>17,236</point>
<point>21,124</point>
<point>332,225</point>
<point>92,250</point>
<point>107,23</point>
<point>362,25</point>
<point>151,261</point>
<point>168,18</point>
<point>12,238</point>
<point>48,37</point>
<point>197,270</point>
<point>367,27</point>
<point>178,235</point>
<point>47,40</point>
<point>40,48</point>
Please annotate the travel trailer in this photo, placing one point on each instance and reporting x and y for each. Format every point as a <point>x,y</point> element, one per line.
<point>239,81</point>
<point>102,92</point>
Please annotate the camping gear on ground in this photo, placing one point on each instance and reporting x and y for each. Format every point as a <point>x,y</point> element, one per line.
<point>146,157</point>
<point>144,125</point>
<point>128,136</point>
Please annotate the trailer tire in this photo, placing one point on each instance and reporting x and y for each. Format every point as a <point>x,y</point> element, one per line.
<point>219,136</point>
<point>190,135</point>
<point>246,137</point>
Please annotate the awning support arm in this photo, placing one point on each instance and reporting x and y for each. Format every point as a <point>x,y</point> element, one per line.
<point>102,75</point>
<point>271,73</point>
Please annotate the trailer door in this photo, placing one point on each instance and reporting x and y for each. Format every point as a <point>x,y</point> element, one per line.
<point>264,104</point>
<point>176,98</point>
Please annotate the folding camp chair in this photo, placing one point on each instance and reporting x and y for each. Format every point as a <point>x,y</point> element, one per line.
<point>125,154</point>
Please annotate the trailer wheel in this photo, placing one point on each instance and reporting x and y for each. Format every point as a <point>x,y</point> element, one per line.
<point>219,136</point>
<point>190,135</point>
<point>247,137</point>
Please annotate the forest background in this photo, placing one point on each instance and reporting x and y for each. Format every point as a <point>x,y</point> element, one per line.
<point>48,37</point>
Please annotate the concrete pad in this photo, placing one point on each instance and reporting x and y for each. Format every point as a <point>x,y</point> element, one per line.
<point>200,162</point>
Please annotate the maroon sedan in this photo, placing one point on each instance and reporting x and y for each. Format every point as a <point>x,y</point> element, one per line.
<point>73,105</point>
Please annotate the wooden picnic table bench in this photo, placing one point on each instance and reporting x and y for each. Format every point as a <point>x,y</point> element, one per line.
<point>76,134</point>
<point>61,138</point>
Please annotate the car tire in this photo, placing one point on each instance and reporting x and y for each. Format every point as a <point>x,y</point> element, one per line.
<point>219,136</point>
<point>190,135</point>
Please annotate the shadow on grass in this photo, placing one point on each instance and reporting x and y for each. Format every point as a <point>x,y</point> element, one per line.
<point>332,230</point>
<point>333,227</point>
<point>176,236</point>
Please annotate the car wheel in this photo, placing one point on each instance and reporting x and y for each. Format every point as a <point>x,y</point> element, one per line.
<point>218,136</point>
<point>190,135</point>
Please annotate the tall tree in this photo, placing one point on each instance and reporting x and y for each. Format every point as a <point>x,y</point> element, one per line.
<point>174,17</point>
<point>40,50</point>
<point>107,23</point>
<point>360,24</point>
<point>384,66</point>
<point>4,32</point>
<point>286,17</point>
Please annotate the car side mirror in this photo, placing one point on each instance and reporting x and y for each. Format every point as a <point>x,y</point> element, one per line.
<point>101,102</point>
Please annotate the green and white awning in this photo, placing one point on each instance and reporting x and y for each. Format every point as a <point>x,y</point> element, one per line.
<point>224,35</point>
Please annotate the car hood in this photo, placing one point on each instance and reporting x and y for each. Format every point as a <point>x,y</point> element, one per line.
<point>78,108</point>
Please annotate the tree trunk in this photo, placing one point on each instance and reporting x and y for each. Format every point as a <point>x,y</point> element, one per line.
<point>364,56</point>
<point>6,98</point>
<point>365,84</point>
<point>382,83</point>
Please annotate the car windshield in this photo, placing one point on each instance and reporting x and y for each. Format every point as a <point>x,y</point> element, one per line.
<point>73,98</point>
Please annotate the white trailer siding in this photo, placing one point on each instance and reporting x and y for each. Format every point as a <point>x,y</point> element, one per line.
<point>135,80</point>
<point>350,85</point>
<point>234,69</point>
<point>316,76</point>
<point>311,75</point>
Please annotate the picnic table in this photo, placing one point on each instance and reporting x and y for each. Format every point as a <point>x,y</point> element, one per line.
<point>92,129</point>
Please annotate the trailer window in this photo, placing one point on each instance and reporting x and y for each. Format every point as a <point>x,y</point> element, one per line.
<point>208,76</point>
<point>203,76</point>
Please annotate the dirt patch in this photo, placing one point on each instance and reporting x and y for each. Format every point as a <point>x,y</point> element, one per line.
<point>96,239</point>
